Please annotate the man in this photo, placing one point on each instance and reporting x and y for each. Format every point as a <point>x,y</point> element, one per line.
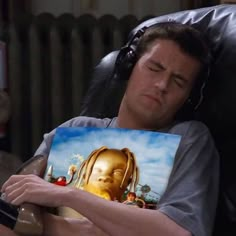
<point>170,59</point>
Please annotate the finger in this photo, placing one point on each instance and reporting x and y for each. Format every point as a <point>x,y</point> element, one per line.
<point>14,193</point>
<point>17,178</point>
<point>8,182</point>
<point>24,184</point>
<point>18,198</point>
<point>27,190</point>
<point>13,179</point>
<point>14,185</point>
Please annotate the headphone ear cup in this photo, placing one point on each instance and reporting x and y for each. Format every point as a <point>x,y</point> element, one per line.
<point>190,108</point>
<point>125,62</point>
<point>197,94</point>
<point>127,57</point>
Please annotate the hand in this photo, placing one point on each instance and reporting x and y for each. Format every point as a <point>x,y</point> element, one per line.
<point>6,231</point>
<point>33,189</point>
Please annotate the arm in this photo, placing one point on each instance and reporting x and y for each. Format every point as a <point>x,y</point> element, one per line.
<point>112,217</point>
<point>56,225</point>
<point>192,189</point>
<point>119,219</point>
<point>192,192</point>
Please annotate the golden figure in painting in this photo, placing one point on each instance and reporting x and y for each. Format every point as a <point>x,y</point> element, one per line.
<point>108,173</point>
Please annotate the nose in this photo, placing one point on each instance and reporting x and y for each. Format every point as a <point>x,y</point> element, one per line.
<point>105,179</point>
<point>162,84</point>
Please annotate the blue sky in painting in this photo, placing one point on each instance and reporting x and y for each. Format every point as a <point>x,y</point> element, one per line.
<point>154,151</point>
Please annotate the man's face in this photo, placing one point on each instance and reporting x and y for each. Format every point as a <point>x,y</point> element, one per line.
<point>107,174</point>
<point>160,83</point>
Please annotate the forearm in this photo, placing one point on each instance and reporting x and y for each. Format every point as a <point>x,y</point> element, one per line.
<point>118,219</point>
<point>111,217</point>
<point>56,225</point>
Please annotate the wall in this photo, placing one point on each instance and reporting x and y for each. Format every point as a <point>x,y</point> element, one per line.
<point>140,8</point>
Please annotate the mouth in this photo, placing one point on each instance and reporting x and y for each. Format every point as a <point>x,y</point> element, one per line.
<point>104,185</point>
<point>153,98</point>
<point>99,187</point>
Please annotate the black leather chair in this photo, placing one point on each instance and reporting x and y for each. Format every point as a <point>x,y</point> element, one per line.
<point>218,109</point>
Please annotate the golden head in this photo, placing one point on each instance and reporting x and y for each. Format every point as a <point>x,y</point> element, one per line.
<point>108,173</point>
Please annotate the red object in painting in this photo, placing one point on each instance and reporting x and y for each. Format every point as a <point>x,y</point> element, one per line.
<point>61,181</point>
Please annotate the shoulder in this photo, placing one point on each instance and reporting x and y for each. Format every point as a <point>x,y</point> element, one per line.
<point>195,138</point>
<point>80,121</point>
<point>188,126</point>
<point>196,142</point>
<point>84,121</point>
<point>191,130</point>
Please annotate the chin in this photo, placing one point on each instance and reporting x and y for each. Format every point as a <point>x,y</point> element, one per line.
<point>99,191</point>
<point>104,195</point>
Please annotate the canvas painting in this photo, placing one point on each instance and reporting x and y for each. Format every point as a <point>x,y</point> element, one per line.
<point>124,165</point>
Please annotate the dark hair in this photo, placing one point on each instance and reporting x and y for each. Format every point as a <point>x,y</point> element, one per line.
<point>190,40</point>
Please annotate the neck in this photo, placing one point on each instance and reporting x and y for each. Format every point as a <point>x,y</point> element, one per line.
<point>133,124</point>
<point>127,119</point>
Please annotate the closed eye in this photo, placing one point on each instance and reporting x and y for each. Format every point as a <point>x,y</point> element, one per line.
<point>155,66</point>
<point>118,172</point>
<point>154,69</point>
<point>179,81</point>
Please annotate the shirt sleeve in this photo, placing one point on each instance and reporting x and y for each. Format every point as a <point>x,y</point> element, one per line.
<point>44,147</point>
<point>80,121</point>
<point>191,196</point>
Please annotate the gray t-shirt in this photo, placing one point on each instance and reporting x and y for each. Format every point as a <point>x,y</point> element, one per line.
<point>191,195</point>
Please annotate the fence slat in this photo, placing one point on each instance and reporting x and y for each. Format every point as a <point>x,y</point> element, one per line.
<point>50,63</point>
<point>36,87</point>
<point>15,91</point>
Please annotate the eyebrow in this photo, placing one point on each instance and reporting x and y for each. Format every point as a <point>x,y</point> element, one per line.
<point>162,67</point>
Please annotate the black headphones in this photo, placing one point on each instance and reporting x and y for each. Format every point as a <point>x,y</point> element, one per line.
<point>127,57</point>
